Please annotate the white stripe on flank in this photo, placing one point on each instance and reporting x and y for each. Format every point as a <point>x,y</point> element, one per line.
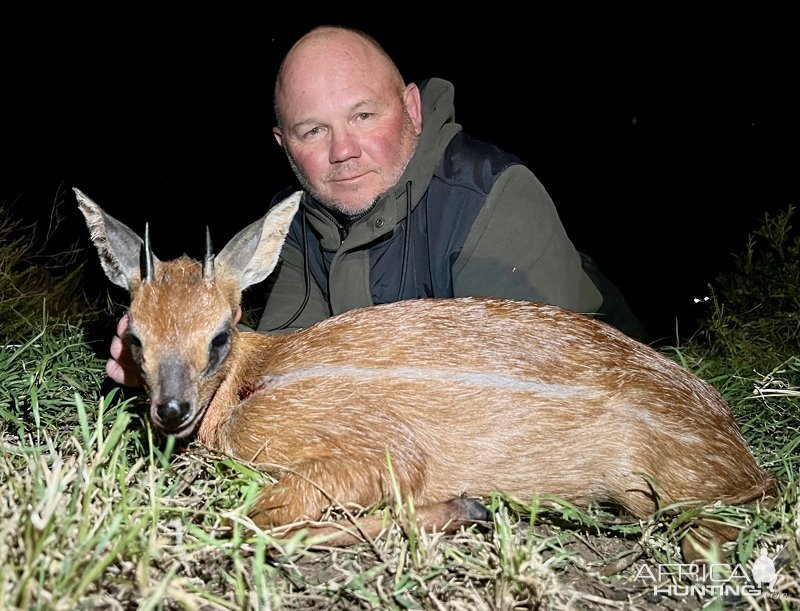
<point>483,380</point>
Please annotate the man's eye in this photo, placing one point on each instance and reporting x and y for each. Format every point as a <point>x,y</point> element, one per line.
<point>363,116</point>
<point>312,132</point>
<point>134,341</point>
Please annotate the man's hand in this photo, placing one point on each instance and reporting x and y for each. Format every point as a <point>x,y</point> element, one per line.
<point>120,367</point>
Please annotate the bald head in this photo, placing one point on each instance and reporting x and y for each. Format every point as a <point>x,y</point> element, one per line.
<point>345,118</point>
<point>330,52</point>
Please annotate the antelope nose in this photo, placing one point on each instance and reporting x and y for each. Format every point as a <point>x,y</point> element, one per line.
<point>173,414</point>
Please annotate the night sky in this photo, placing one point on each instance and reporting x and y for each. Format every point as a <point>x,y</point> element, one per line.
<point>663,140</point>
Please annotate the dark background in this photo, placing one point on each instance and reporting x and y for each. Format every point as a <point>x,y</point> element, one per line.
<point>663,139</point>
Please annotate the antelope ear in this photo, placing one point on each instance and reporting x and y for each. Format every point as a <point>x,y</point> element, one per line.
<point>118,246</point>
<point>253,252</point>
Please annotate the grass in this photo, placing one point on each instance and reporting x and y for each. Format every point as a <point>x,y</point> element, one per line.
<point>98,511</point>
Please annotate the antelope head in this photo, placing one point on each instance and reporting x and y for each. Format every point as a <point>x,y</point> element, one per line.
<point>183,313</point>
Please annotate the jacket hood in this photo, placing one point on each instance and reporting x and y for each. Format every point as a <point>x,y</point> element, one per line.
<point>438,129</point>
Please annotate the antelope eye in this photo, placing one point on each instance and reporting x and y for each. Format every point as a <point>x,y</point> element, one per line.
<point>220,340</point>
<point>218,350</point>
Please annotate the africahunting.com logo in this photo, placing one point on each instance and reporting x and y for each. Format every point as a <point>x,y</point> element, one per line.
<point>713,580</point>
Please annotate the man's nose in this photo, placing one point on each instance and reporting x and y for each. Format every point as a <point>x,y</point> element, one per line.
<point>343,146</point>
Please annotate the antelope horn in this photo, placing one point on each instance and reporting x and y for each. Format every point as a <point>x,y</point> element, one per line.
<point>208,260</point>
<point>146,256</point>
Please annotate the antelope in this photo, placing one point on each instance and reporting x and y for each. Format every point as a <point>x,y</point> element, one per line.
<point>464,397</point>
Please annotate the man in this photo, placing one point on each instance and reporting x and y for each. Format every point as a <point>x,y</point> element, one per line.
<point>399,203</point>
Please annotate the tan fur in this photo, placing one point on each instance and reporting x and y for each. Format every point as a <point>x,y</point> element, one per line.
<point>467,396</point>
<point>471,396</point>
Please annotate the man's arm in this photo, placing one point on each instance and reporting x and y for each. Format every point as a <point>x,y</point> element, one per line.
<point>518,248</point>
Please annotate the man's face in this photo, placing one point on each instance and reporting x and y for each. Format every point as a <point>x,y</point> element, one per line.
<point>348,134</point>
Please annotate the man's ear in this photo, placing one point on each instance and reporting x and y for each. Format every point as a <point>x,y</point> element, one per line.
<point>413,102</point>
